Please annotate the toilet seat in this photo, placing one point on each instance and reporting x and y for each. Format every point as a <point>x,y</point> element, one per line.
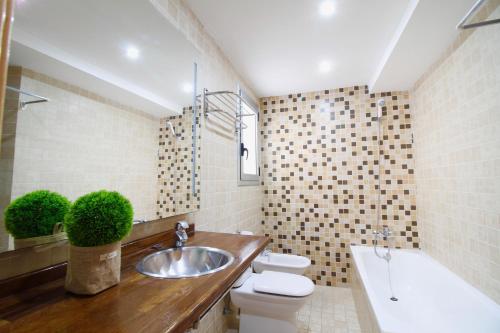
<point>283,284</point>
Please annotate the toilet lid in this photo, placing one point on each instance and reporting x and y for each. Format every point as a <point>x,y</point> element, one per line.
<point>285,284</point>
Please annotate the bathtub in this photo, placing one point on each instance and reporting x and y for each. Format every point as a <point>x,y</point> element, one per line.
<point>430,297</point>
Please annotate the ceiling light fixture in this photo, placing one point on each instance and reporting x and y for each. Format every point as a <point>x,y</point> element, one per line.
<point>326,8</point>
<point>132,52</point>
<point>187,88</point>
<point>325,66</point>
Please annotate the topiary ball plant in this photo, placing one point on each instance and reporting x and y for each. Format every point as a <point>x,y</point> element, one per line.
<point>35,214</point>
<point>99,218</point>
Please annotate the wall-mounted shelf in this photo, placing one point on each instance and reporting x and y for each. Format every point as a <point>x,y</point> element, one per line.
<point>227,106</point>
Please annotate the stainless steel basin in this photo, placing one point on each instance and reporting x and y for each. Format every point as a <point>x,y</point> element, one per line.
<point>189,261</point>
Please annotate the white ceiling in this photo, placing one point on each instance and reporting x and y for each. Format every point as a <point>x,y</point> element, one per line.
<point>421,39</point>
<point>85,42</point>
<point>276,45</point>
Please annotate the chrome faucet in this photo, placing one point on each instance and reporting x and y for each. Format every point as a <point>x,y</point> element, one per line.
<point>385,233</point>
<point>267,253</point>
<point>180,232</point>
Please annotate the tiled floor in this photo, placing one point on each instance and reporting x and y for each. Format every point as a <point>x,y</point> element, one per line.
<point>330,310</point>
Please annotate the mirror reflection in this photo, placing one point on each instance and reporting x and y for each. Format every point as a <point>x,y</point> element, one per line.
<point>95,101</point>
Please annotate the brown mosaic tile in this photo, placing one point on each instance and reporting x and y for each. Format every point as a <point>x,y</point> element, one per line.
<point>175,164</point>
<point>320,174</point>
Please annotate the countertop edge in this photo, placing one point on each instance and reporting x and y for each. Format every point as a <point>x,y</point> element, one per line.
<point>205,305</point>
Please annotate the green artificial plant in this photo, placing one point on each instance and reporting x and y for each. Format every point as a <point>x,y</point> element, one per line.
<point>99,218</point>
<point>35,214</point>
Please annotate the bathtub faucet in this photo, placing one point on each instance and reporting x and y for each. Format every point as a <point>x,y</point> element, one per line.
<point>385,234</point>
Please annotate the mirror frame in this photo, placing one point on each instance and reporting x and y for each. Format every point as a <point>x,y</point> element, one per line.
<point>6,16</point>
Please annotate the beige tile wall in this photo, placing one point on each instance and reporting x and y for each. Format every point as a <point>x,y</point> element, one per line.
<point>214,321</point>
<point>8,142</point>
<point>225,206</point>
<point>457,141</point>
<point>320,175</point>
<point>76,144</point>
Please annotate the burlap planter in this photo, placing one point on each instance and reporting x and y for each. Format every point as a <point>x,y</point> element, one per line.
<point>93,269</point>
<point>57,235</point>
<point>34,241</point>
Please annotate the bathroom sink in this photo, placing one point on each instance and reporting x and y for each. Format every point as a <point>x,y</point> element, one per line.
<point>189,261</point>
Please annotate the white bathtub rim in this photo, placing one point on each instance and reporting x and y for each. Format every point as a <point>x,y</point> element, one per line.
<point>365,284</point>
<point>470,288</point>
<point>366,295</point>
<point>373,300</point>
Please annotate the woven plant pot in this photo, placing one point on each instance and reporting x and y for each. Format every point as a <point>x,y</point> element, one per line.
<point>58,235</point>
<point>93,269</point>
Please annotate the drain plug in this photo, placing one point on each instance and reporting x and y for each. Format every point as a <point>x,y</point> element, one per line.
<point>394,299</point>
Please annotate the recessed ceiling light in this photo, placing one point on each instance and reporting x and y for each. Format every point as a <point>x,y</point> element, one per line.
<point>326,8</point>
<point>325,66</point>
<point>132,52</point>
<point>187,87</point>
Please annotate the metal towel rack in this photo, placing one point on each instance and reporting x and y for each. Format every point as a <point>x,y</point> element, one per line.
<point>39,99</point>
<point>474,9</point>
<point>226,106</point>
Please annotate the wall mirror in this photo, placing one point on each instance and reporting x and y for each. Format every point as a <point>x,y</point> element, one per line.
<point>100,95</point>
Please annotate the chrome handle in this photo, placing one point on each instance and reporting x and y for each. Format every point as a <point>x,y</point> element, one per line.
<point>182,225</point>
<point>182,235</point>
<point>385,233</point>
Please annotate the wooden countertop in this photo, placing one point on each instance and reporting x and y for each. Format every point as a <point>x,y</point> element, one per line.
<point>138,304</point>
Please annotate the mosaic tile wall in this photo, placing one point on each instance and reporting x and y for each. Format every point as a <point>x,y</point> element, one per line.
<point>320,175</point>
<point>175,166</point>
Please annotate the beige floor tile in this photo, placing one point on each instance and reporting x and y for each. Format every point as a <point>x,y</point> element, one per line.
<point>329,310</point>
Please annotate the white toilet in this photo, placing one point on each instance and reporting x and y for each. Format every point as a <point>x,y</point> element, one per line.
<point>269,301</point>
